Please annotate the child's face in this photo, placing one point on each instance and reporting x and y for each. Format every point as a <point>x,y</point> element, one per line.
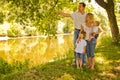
<point>81,36</point>
<point>95,24</point>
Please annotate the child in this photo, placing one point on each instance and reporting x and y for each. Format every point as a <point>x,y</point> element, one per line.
<point>91,36</point>
<point>96,28</point>
<point>80,48</point>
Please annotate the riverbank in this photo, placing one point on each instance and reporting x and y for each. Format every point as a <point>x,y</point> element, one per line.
<point>38,36</point>
<point>107,66</point>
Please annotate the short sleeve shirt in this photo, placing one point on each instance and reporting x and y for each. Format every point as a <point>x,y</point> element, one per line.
<point>95,29</point>
<point>80,46</point>
<point>78,19</point>
<point>87,30</point>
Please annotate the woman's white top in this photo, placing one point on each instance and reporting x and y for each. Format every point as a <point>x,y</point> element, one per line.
<point>88,30</point>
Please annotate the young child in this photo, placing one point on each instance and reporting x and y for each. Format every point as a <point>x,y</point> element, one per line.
<point>91,36</point>
<point>80,48</point>
<point>96,28</point>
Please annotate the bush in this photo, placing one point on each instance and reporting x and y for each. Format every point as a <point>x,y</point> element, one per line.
<point>13,31</point>
<point>5,67</point>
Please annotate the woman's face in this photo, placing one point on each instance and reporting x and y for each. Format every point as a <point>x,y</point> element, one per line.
<point>90,18</point>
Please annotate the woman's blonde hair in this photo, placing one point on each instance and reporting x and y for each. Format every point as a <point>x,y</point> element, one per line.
<point>89,17</point>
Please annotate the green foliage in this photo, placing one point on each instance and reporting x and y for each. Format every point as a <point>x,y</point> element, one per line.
<point>66,77</point>
<point>89,8</point>
<point>30,30</point>
<point>18,30</point>
<point>41,13</point>
<point>19,66</point>
<point>34,13</point>
<point>5,67</point>
<point>107,64</point>
<point>8,70</point>
<point>1,18</point>
<point>13,31</point>
<point>68,27</point>
<point>38,13</point>
<point>106,43</point>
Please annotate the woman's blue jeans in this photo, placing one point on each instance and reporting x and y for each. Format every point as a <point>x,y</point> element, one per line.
<point>91,47</point>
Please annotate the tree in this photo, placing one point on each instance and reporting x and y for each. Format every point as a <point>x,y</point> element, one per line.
<point>108,5</point>
<point>41,13</point>
<point>38,13</point>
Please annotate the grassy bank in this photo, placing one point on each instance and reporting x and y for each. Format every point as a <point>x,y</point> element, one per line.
<point>107,66</point>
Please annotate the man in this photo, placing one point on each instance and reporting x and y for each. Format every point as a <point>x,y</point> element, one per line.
<point>78,19</point>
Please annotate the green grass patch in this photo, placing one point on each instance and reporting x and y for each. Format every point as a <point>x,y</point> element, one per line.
<point>107,66</point>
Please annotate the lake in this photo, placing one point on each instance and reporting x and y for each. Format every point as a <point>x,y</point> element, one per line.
<point>37,50</point>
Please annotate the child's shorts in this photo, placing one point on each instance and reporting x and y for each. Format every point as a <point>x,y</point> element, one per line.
<point>79,55</point>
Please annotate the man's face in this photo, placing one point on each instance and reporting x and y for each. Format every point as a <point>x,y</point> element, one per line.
<point>80,7</point>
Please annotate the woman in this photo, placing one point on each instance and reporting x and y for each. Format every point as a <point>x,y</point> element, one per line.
<point>87,27</point>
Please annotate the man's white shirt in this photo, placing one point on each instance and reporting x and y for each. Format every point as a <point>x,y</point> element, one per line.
<point>78,19</point>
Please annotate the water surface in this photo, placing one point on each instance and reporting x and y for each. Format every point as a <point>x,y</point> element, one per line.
<point>37,50</point>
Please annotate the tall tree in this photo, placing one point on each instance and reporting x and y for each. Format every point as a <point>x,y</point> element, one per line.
<point>108,5</point>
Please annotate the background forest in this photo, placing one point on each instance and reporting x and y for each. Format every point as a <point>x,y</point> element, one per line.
<point>38,17</point>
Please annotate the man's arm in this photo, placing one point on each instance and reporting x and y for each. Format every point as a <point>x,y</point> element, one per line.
<point>63,14</point>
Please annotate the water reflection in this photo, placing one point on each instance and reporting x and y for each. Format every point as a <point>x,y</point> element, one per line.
<point>37,49</point>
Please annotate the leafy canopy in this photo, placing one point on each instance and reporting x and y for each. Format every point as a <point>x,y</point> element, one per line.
<point>38,13</point>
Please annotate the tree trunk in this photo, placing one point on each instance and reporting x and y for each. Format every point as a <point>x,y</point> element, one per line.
<point>109,7</point>
<point>113,26</point>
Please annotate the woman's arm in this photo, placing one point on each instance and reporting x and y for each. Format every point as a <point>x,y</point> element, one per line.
<point>99,31</point>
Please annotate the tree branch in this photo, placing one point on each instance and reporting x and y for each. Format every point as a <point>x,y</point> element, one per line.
<point>102,3</point>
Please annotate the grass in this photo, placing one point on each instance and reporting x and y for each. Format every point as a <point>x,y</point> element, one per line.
<point>107,66</point>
